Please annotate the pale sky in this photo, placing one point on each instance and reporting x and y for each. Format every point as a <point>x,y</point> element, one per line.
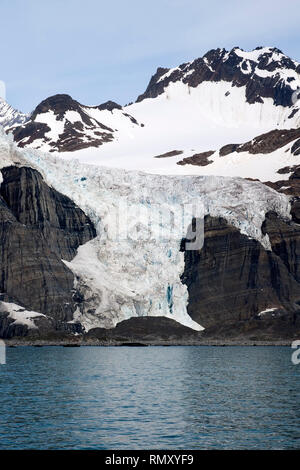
<point>97,50</point>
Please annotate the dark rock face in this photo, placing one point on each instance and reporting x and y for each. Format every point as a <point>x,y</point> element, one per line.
<point>8,329</point>
<point>266,143</point>
<point>33,203</point>
<point>296,148</point>
<point>83,133</point>
<point>227,149</point>
<point>172,153</point>
<point>38,228</point>
<point>146,330</point>
<point>290,186</point>
<point>295,210</point>
<point>221,65</point>
<point>59,104</point>
<point>233,278</point>
<point>30,132</point>
<point>109,106</point>
<point>285,241</point>
<point>72,136</point>
<point>199,159</point>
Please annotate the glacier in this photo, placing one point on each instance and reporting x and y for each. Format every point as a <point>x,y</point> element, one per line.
<point>127,276</point>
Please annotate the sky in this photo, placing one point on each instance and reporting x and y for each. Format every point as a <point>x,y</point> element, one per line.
<point>97,50</point>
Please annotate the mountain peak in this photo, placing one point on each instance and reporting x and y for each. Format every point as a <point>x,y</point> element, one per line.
<point>10,116</point>
<point>59,104</point>
<point>265,72</point>
<point>109,106</point>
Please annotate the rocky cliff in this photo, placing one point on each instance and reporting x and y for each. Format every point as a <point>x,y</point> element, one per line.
<point>38,228</point>
<point>60,123</point>
<point>260,71</point>
<point>235,284</point>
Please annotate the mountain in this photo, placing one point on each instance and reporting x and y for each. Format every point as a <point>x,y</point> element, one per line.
<point>10,117</point>
<point>64,273</point>
<point>222,98</point>
<point>60,123</point>
<point>98,254</point>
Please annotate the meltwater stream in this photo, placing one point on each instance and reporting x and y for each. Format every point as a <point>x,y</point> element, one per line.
<point>150,398</point>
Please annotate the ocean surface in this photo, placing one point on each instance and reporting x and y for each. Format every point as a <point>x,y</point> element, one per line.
<point>150,398</point>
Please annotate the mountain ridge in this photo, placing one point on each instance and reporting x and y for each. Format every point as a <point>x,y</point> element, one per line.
<point>10,116</point>
<point>220,64</point>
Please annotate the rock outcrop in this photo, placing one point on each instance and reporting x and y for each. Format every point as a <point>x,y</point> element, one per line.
<point>259,71</point>
<point>33,203</point>
<point>74,125</point>
<point>233,279</point>
<point>199,159</point>
<point>146,330</point>
<point>266,143</point>
<point>38,228</point>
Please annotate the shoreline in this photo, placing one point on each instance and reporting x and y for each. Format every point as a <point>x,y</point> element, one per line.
<point>95,343</point>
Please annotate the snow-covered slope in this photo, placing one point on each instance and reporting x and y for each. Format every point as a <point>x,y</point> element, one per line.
<point>60,123</point>
<point>10,117</point>
<point>20,315</point>
<point>223,97</point>
<point>126,276</point>
<point>187,110</point>
<point>269,157</point>
<point>189,121</point>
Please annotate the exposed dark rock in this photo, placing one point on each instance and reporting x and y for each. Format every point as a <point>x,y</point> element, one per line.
<point>84,133</point>
<point>38,228</point>
<point>32,275</point>
<point>221,65</point>
<point>132,119</point>
<point>73,136</point>
<point>295,210</point>
<point>199,159</point>
<point>33,203</point>
<point>285,240</point>
<point>269,142</point>
<point>59,104</point>
<point>172,153</point>
<point>26,134</point>
<point>266,143</point>
<point>266,329</point>
<point>285,170</point>
<point>233,278</point>
<point>227,149</point>
<point>293,113</point>
<point>8,329</point>
<point>295,150</point>
<point>109,106</point>
<point>290,186</point>
<point>145,330</point>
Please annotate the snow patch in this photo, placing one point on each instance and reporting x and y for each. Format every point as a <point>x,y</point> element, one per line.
<point>20,315</point>
<point>268,310</point>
